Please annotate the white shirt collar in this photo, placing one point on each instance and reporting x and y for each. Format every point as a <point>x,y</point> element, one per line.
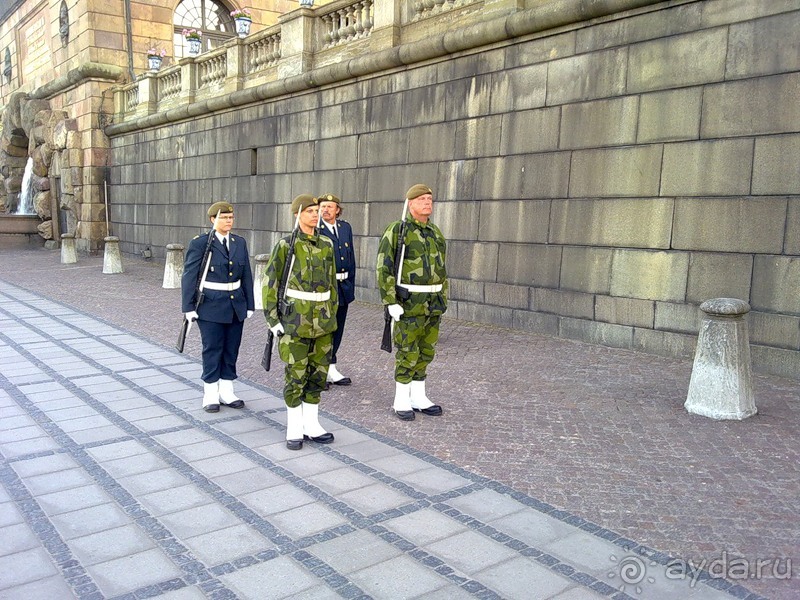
<point>221,237</point>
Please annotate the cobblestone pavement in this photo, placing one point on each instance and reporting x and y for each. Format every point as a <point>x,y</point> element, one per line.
<point>598,436</point>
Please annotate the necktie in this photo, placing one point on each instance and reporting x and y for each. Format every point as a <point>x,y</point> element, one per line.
<point>335,232</point>
<point>225,244</point>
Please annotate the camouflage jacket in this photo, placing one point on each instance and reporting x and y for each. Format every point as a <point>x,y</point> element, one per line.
<point>423,264</point>
<point>313,271</point>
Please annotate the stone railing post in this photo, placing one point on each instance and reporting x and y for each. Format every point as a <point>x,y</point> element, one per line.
<point>173,267</point>
<point>721,385</point>
<point>297,42</point>
<point>112,260</point>
<point>235,66</point>
<point>68,253</point>
<point>258,279</point>
<point>188,80</point>
<point>388,17</point>
<point>148,95</point>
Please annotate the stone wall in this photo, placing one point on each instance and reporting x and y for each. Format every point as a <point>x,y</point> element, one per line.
<point>597,180</point>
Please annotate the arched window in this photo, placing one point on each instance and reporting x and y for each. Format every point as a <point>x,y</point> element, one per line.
<point>212,18</point>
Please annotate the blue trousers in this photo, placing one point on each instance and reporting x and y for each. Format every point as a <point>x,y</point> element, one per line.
<point>221,343</point>
<point>341,316</point>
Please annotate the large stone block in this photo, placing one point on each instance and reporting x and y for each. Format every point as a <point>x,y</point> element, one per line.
<point>599,123</point>
<point>775,168</point>
<point>586,269</point>
<point>638,28</point>
<point>339,120</point>
<point>457,220</point>
<point>637,223</point>
<point>500,294</point>
<point>529,131</point>
<point>780,331</point>
<point>563,303</point>
<point>540,50</point>
<point>428,105</point>
<point>468,98</point>
<point>615,172</point>
<point>526,176</point>
<point>605,334</point>
<point>718,275</point>
<point>684,318</point>
<point>625,311</point>
<point>514,221</point>
<point>775,361</point>
<point>455,180</point>
<point>336,153</point>
<point>670,115</point>
<point>791,244</point>
<point>472,65</point>
<point>650,275</point>
<point>587,76</point>
<point>677,61</point>
<point>707,168</point>
<point>776,280</point>
<point>730,225</point>
<point>519,89</point>
<point>389,183</point>
<point>465,289</point>
<point>431,143</point>
<point>529,264</point>
<point>764,46</point>
<point>664,343</point>
<point>535,322</point>
<point>383,148</point>
<point>763,105</point>
<point>300,157</point>
<point>482,313</point>
<point>478,137</point>
<point>384,112</point>
<point>293,127</point>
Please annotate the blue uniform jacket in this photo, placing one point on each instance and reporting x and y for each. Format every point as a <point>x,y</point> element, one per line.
<point>345,259</point>
<point>219,306</point>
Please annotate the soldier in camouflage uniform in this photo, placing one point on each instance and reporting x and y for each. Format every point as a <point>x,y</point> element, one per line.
<point>305,329</point>
<point>416,302</point>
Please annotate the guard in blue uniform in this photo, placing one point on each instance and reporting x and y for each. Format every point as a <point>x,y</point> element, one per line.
<point>227,301</point>
<point>341,234</point>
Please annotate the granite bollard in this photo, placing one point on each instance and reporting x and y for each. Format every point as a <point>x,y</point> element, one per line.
<point>69,255</point>
<point>112,260</point>
<point>173,267</point>
<point>258,279</point>
<point>721,386</point>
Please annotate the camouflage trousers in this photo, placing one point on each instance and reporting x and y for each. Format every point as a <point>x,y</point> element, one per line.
<point>307,361</point>
<point>415,339</point>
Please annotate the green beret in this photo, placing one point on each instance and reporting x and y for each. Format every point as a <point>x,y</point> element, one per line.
<point>329,198</point>
<point>415,191</point>
<point>222,207</point>
<point>302,202</point>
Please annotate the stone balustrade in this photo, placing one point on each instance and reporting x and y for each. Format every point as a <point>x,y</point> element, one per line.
<point>304,39</point>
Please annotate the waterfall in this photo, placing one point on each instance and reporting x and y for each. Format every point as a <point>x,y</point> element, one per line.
<point>25,205</point>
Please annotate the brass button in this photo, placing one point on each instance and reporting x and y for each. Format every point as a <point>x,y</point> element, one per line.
<point>230,262</point>
<point>230,274</point>
<point>231,296</point>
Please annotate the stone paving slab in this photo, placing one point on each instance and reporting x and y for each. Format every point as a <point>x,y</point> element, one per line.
<point>547,552</point>
<point>592,436</point>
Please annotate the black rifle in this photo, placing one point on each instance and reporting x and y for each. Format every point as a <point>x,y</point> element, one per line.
<point>266,359</point>
<point>198,288</point>
<point>400,292</point>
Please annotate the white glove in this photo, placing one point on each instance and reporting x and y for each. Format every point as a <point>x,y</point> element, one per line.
<point>395,310</point>
<point>277,330</point>
<point>191,316</point>
<point>249,313</point>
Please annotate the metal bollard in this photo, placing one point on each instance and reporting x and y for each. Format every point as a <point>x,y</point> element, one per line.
<point>258,279</point>
<point>173,267</point>
<point>721,386</point>
<point>112,260</point>
<point>68,253</point>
